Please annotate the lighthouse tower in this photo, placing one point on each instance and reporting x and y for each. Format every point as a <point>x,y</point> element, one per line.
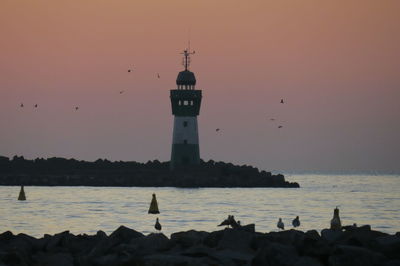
<point>185,102</point>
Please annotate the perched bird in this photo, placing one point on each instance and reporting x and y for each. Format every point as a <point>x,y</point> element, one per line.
<point>21,195</point>
<point>22,105</point>
<point>282,101</point>
<point>230,221</point>
<point>76,108</point>
<point>336,224</point>
<point>153,205</point>
<point>280,224</point>
<point>36,105</point>
<point>157,226</point>
<point>296,222</point>
<point>280,126</point>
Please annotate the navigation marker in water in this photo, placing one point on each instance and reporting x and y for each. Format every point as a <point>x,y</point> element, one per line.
<point>21,195</point>
<point>153,206</point>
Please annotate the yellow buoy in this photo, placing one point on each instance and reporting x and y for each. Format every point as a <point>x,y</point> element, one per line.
<point>21,195</point>
<point>153,205</point>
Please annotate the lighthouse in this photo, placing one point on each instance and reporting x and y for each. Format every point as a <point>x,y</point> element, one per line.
<point>185,103</point>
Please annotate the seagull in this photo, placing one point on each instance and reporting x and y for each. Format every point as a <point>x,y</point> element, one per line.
<point>296,222</point>
<point>335,222</point>
<point>76,108</point>
<point>129,70</point>
<point>158,75</point>
<point>282,101</point>
<point>272,119</point>
<point>217,129</point>
<point>280,126</point>
<point>22,105</point>
<point>36,105</point>
<point>230,221</point>
<point>157,226</point>
<point>121,92</point>
<point>280,224</point>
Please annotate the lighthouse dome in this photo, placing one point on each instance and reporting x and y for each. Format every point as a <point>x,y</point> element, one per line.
<point>186,77</point>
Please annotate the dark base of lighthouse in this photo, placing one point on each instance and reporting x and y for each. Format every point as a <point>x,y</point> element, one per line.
<point>184,155</point>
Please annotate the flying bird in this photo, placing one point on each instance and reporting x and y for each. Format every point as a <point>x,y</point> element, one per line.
<point>22,105</point>
<point>272,119</point>
<point>157,226</point>
<point>121,92</point>
<point>217,129</point>
<point>36,105</point>
<point>280,224</point>
<point>76,108</point>
<point>280,126</point>
<point>230,221</point>
<point>282,101</point>
<point>296,222</point>
<point>158,75</point>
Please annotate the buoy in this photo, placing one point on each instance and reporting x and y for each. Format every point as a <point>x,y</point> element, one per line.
<point>154,205</point>
<point>336,224</point>
<point>21,195</point>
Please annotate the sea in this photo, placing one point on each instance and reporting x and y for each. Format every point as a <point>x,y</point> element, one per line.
<point>361,199</point>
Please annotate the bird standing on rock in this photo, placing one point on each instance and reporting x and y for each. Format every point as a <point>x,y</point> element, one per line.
<point>296,222</point>
<point>157,226</point>
<point>336,224</point>
<point>280,224</point>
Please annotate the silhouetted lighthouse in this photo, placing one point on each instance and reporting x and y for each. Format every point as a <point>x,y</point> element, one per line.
<point>185,101</point>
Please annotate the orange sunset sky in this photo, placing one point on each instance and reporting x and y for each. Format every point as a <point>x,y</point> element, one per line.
<point>336,64</point>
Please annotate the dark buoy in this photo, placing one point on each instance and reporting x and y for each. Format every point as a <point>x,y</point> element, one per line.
<point>154,205</point>
<point>21,195</point>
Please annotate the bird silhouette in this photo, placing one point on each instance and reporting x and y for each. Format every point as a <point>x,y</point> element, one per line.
<point>230,221</point>
<point>272,119</point>
<point>121,92</point>
<point>157,226</point>
<point>296,222</point>
<point>36,105</point>
<point>158,75</point>
<point>217,129</point>
<point>76,108</point>
<point>280,224</point>
<point>280,126</point>
<point>22,105</point>
<point>129,70</point>
<point>282,101</point>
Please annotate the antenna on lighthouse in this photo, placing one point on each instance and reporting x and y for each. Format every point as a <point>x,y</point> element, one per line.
<point>186,53</point>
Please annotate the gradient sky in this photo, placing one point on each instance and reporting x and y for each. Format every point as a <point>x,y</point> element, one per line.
<point>336,64</point>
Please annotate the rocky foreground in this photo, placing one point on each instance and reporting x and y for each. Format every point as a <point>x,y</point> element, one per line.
<point>242,246</point>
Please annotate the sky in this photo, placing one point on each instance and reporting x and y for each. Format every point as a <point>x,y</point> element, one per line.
<point>335,63</point>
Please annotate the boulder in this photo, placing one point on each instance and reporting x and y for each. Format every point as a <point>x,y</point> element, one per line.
<point>58,242</point>
<point>276,254</point>
<point>331,235</point>
<point>392,263</point>
<point>54,259</point>
<point>213,238</point>
<point>125,234</point>
<point>150,244</point>
<point>345,255</point>
<point>308,261</point>
<point>189,238</point>
<point>389,245</point>
<point>238,240</point>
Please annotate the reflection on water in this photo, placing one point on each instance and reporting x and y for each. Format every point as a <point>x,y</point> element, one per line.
<point>371,200</point>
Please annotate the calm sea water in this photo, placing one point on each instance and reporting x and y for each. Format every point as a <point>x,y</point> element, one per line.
<point>373,200</point>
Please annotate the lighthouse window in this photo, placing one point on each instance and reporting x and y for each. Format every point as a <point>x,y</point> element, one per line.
<point>185,123</point>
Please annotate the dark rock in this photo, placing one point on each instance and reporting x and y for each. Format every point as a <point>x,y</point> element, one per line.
<point>312,235</point>
<point>125,234</point>
<point>248,228</point>
<point>54,259</point>
<point>276,254</point>
<point>189,238</point>
<point>355,256</point>
<point>6,236</point>
<point>393,263</point>
<point>308,261</point>
<point>236,240</point>
<point>213,238</point>
<point>331,235</point>
<point>151,243</point>
<point>389,245</point>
